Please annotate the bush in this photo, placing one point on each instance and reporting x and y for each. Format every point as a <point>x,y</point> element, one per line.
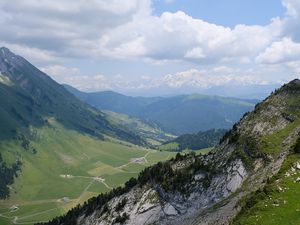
<point>7,175</point>
<point>121,219</point>
<point>297,146</point>
<point>121,204</point>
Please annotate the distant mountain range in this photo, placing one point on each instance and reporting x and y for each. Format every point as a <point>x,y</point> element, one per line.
<point>178,115</point>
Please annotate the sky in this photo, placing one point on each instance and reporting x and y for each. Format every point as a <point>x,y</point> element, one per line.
<point>158,47</point>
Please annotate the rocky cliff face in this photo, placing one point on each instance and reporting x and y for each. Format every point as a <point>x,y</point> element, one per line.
<point>206,189</point>
<point>152,205</point>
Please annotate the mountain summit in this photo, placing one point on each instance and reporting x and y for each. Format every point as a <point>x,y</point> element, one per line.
<point>215,188</point>
<point>28,97</point>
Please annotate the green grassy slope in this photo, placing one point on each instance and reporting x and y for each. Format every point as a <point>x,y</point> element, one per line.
<point>63,171</point>
<point>278,202</point>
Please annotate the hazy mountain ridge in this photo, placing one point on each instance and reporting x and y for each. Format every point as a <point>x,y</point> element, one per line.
<point>186,189</point>
<point>179,114</point>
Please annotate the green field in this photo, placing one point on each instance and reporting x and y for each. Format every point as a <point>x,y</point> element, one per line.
<point>67,169</point>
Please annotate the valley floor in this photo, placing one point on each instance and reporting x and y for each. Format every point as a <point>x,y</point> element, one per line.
<point>67,172</point>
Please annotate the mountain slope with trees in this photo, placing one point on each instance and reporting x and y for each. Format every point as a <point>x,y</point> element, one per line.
<point>178,115</point>
<point>200,140</point>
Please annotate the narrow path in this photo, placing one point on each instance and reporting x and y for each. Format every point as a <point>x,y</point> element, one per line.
<point>34,202</point>
<point>99,179</point>
<point>106,185</point>
<point>122,166</point>
<point>132,162</point>
<point>16,218</point>
<point>84,191</point>
<point>31,222</point>
<point>6,217</point>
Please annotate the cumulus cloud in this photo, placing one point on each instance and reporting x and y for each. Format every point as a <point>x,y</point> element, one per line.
<point>294,66</point>
<point>68,28</point>
<point>193,78</point>
<point>282,51</point>
<point>127,29</point>
<point>31,53</point>
<point>56,30</point>
<point>292,6</point>
<point>177,36</point>
<point>60,71</point>
<point>208,78</point>
<point>74,77</point>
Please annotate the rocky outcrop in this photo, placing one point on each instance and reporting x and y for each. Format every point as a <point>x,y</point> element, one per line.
<point>152,205</point>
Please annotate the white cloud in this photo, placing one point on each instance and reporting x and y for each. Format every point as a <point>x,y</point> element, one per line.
<point>73,76</point>
<point>52,31</point>
<point>294,66</point>
<point>209,78</point>
<point>195,53</point>
<point>31,53</point>
<point>89,82</point>
<point>70,29</point>
<point>194,78</point>
<point>282,51</point>
<point>177,36</point>
<point>125,29</point>
<point>292,6</point>
<point>60,71</point>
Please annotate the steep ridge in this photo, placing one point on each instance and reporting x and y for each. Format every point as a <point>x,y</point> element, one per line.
<point>28,97</point>
<point>178,114</point>
<point>205,189</point>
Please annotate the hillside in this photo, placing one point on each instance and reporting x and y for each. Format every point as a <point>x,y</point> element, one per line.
<point>29,97</point>
<point>150,132</point>
<point>56,151</point>
<point>178,115</point>
<point>200,140</point>
<point>213,189</point>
